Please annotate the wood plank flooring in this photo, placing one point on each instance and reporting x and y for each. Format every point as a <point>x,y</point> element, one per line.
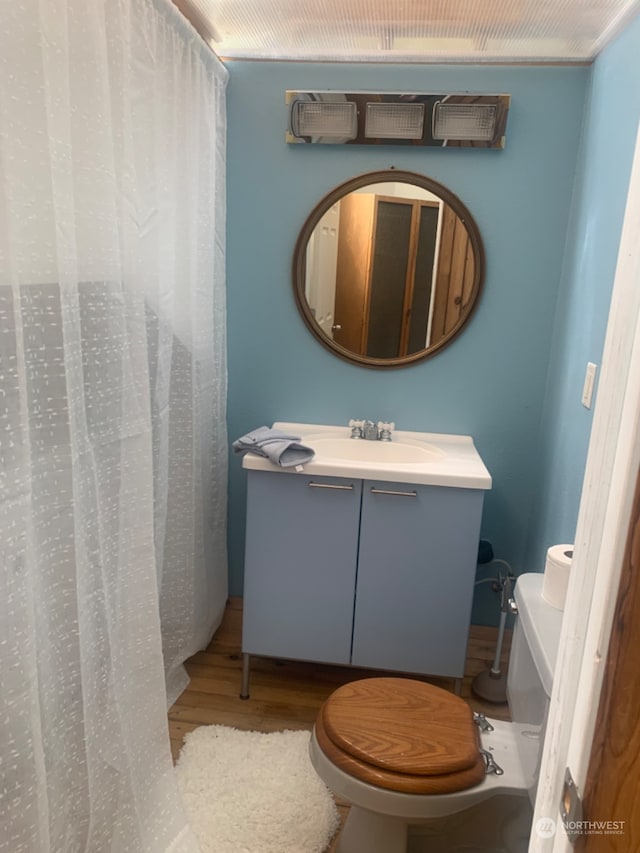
<point>288,694</point>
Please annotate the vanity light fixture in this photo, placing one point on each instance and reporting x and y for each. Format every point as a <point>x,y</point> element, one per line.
<point>369,118</point>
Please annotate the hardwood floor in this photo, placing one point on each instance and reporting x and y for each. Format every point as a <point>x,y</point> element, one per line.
<point>288,694</point>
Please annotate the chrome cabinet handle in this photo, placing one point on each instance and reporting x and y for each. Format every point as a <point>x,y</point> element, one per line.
<point>336,328</point>
<point>375,491</point>
<point>313,485</point>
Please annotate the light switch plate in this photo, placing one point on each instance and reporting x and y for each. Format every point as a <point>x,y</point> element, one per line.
<point>589,383</point>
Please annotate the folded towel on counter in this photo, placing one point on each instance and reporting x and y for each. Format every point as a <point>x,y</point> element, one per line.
<point>279,447</point>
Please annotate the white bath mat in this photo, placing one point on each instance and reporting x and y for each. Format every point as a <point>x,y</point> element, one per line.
<point>249,792</point>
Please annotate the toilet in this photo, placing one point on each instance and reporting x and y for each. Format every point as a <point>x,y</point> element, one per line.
<point>421,771</point>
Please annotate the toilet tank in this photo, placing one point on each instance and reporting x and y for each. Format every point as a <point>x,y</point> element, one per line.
<point>534,649</point>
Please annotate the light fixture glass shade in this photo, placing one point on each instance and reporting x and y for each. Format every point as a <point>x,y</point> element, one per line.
<point>324,118</point>
<point>471,122</point>
<point>394,121</point>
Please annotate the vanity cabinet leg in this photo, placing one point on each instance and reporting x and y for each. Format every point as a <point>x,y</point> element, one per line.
<point>246,666</point>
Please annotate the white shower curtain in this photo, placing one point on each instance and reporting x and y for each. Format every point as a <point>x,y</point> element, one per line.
<point>112,396</point>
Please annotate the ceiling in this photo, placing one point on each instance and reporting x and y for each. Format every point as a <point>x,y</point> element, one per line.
<point>424,31</point>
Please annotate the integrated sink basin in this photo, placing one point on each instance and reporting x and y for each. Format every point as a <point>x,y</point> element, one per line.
<point>402,452</point>
<point>410,457</point>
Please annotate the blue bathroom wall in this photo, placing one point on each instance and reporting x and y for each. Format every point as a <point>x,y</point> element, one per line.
<point>490,383</point>
<point>604,166</point>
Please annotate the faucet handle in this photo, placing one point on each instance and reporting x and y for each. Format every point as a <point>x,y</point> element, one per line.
<point>356,428</point>
<point>385,429</point>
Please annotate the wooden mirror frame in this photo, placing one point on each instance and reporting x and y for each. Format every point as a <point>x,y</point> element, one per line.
<point>300,252</point>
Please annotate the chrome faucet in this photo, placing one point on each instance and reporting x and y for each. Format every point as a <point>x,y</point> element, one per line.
<point>370,432</point>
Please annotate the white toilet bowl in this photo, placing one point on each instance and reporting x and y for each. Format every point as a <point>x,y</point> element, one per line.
<point>380,818</point>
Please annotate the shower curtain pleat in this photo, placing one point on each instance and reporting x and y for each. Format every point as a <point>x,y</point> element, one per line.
<point>112,413</point>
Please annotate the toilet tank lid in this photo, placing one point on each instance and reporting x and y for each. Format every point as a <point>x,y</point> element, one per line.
<point>541,624</point>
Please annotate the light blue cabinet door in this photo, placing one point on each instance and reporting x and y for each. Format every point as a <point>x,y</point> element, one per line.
<point>416,572</point>
<point>300,566</point>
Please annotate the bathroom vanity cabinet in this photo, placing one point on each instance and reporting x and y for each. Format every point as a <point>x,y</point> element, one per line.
<point>356,571</point>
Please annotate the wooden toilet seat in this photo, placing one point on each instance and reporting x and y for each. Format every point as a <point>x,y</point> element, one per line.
<point>403,735</point>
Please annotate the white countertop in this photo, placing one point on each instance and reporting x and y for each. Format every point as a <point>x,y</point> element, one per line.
<point>456,461</point>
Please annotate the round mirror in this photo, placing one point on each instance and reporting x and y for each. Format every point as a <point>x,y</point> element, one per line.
<point>388,268</point>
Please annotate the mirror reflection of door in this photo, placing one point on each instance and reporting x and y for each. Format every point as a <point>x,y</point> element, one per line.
<point>401,279</point>
<point>394,261</point>
<point>322,253</point>
<point>455,276</point>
